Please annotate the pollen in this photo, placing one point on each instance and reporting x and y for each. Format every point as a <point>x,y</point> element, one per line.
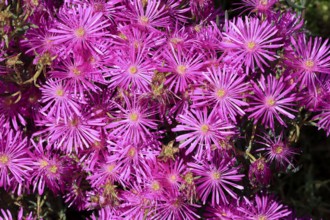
<point>133,117</point>
<point>251,45</point>
<point>278,149</point>
<point>132,70</point>
<point>205,128</point>
<point>262,217</point>
<point>260,165</point>
<point>181,69</point>
<point>131,152</point>
<point>270,102</point>
<point>76,71</point>
<point>173,178</point>
<point>80,32</point>
<point>155,186</point>
<point>74,122</point>
<point>215,175</point>
<point>264,2</point>
<point>221,93</point>
<point>309,64</point>
<point>4,159</point>
<point>110,168</point>
<point>60,92</point>
<point>144,20</point>
<point>43,163</point>
<point>53,169</point>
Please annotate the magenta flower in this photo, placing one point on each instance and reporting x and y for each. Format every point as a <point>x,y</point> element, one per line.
<point>133,160</point>
<point>73,134</point>
<point>277,150</point>
<point>308,58</point>
<point>202,130</point>
<point>135,204</point>
<point>152,16</point>
<point>12,112</point>
<point>133,121</point>
<point>271,98</point>
<point>170,174</point>
<point>225,93</point>
<point>174,207</point>
<point>58,100</point>
<point>259,6</point>
<point>252,42</point>
<point>216,179</point>
<point>79,29</point>
<point>14,159</point>
<point>324,118</point>
<point>78,75</point>
<point>184,68</point>
<point>48,169</point>
<point>262,207</point>
<point>132,71</point>
<point>260,173</point>
<point>105,172</point>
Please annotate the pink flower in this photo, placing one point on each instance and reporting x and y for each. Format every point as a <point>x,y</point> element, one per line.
<point>132,70</point>
<point>262,207</point>
<point>277,150</point>
<point>271,98</point>
<point>202,130</point>
<point>75,133</point>
<point>252,42</point>
<point>133,122</point>
<point>58,100</point>
<point>224,93</point>
<point>184,68</point>
<point>14,159</point>
<point>216,179</point>
<point>308,58</point>
<point>48,169</point>
<point>152,16</point>
<point>174,207</point>
<point>79,29</point>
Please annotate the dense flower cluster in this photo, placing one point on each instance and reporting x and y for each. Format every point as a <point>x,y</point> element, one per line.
<point>158,109</point>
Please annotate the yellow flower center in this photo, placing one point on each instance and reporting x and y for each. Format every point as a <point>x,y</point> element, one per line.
<point>4,159</point>
<point>260,165</point>
<point>132,70</point>
<point>262,217</point>
<point>215,175</point>
<point>132,152</point>
<point>205,128</point>
<point>181,69</point>
<point>110,168</point>
<point>264,2</point>
<point>270,102</point>
<point>251,45</point>
<point>60,92</point>
<point>79,32</point>
<point>155,186</point>
<point>133,117</point>
<point>144,20</point>
<point>53,169</point>
<point>173,178</point>
<point>43,163</point>
<point>176,40</point>
<point>221,93</point>
<point>278,149</point>
<point>309,64</point>
<point>74,122</point>
<point>122,36</point>
<point>76,71</point>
